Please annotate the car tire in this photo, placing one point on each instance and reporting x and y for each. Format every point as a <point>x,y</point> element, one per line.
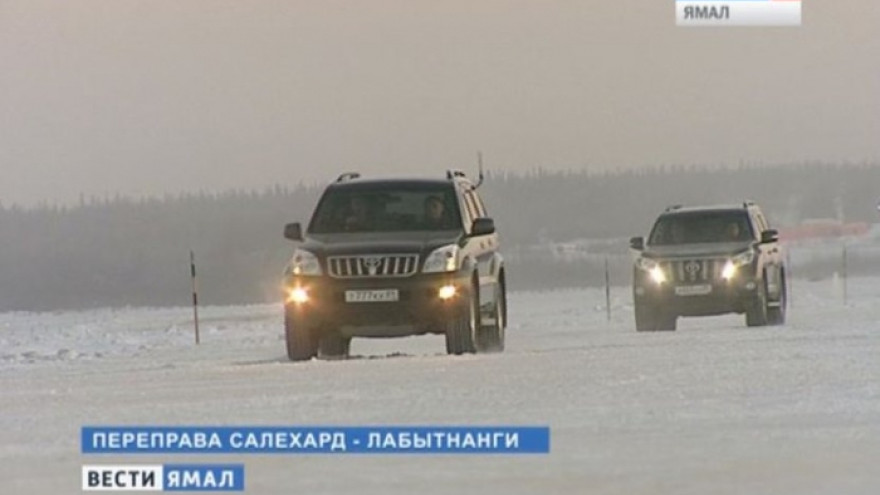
<point>652,319</point>
<point>757,312</point>
<point>644,318</point>
<point>776,314</point>
<point>666,322</point>
<point>333,345</point>
<point>302,342</point>
<point>491,337</point>
<point>461,331</point>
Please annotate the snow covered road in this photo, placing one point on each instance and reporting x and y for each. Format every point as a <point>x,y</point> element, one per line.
<point>712,408</point>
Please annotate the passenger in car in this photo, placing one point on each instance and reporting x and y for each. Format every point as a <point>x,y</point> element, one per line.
<point>435,213</point>
<point>733,231</point>
<point>359,217</point>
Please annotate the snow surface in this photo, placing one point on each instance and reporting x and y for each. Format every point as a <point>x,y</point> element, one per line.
<point>712,408</point>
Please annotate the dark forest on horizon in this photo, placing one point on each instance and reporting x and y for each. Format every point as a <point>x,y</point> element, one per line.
<point>125,252</point>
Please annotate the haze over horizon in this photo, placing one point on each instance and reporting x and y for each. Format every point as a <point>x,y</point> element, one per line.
<point>145,98</point>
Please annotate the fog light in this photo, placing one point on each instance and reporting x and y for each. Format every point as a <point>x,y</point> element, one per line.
<point>729,271</point>
<point>298,295</point>
<point>446,292</point>
<point>750,286</point>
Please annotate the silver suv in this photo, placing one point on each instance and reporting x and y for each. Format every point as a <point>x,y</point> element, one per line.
<point>709,260</point>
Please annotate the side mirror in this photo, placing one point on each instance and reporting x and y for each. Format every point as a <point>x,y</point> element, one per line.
<point>637,243</point>
<point>293,231</point>
<point>483,226</point>
<point>769,235</point>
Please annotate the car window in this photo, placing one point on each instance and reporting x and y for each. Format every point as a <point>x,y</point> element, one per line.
<point>481,207</point>
<point>470,209</point>
<point>762,222</point>
<point>701,227</point>
<point>386,210</point>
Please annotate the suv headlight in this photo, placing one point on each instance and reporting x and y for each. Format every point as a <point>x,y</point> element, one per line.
<point>442,259</point>
<point>303,263</point>
<point>646,264</point>
<point>743,258</point>
<point>653,268</point>
<point>733,264</point>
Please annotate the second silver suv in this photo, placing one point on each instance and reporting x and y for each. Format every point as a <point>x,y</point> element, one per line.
<point>709,260</point>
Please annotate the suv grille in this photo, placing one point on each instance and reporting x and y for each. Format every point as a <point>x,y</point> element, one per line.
<point>380,265</point>
<point>692,271</point>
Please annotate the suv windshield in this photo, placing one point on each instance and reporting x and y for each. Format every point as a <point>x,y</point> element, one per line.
<point>392,209</point>
<point>701,227</point>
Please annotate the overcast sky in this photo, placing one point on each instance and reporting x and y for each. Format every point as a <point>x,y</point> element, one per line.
<point>153,96</point>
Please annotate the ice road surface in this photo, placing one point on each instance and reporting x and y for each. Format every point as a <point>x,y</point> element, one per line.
<point>712,408</point>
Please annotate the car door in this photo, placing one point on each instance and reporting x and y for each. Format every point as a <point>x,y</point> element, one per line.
<point>772,255</point>
<point>489,259</point>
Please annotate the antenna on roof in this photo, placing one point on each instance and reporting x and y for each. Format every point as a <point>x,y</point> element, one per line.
<point>480,166</point>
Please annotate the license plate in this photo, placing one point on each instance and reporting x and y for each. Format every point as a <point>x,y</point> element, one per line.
<point>361,296</point>
<point>693,290</point>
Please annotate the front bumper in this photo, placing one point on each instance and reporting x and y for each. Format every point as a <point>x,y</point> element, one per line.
<point>418,310</point>
<point>713,297</point>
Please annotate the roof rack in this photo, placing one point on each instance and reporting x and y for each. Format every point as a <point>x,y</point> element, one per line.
<point>454,173</point>
<point>347,176</point>
<point>673,207</point>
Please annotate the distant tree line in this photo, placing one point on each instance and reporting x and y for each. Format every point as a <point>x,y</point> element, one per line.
<point>119,251</point>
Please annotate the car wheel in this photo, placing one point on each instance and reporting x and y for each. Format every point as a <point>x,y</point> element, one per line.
<point>666,322</point>
<point>756,313</point>
<point>651,319</point>
<point>491,337</point>
<point>776,313</point>
<point>461,331</point>
<point>645,316</point>
<point>301,340</point>
<point>333,345</point>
